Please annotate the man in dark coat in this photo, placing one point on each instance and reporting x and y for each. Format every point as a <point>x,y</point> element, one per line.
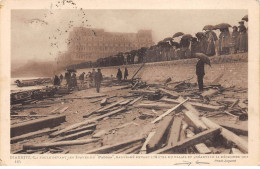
<point>200,73</point>
<point>56,80</point>
<point>98,79</point>
<point>125,74</point>
<point>235,35</point>
<point>119,75</point>
<point>61,77</point>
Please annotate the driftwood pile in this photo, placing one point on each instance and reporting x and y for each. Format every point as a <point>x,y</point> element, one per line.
<point>184,127</point>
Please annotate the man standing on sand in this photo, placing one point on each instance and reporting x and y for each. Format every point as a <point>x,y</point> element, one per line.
<point>119,75</point>
<point>200,73</point>
<point>81,78</point>
<point>125,74</point>
<point>98,79</point>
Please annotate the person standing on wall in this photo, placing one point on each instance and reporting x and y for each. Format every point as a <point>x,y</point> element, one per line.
<point>98,79</point>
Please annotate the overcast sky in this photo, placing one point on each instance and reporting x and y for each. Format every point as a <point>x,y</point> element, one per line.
<point>33,31</point>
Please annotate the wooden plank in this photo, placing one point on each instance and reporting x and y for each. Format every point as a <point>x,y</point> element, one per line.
<point>109,106</point>
<point>109,148</point>
<point>137,71</point>
<point>161,134</point>
<point>58,144</point>
<point>202,148</point>
<point>133,149</point>
<point>29,116</point>
<point>32,135</point>
<point>194,121</point>
<point>63,110</point>
<point>238,129</point>
<point>169,111</point>
<point>76,135</point>
<point>37,124</point>
<point>87,127</point>
<point>230,136</point>
<point>88,121</point>
<point>189,107</point>
<point>125,102</point>
<point>143,149</point>
<point>175,131</point>
<point>135,100</point>
<point>235,151</point>
<point>198,138</point>
<point>153,106</point>
<point>103,102</point>
<point>171,93</point>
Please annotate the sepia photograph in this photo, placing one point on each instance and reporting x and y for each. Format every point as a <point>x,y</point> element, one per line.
<point>129,81</point>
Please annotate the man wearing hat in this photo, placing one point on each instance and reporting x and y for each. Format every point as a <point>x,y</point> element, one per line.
<point>235,35</point>
<point>98,79</point>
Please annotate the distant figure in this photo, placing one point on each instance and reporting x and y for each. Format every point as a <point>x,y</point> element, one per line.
<point>235,35</point>
<point>98,79</point>
<point>88,79</point>
<point>200,74</point>
<point>68,79</point>
<point>74,80</point>
<point>242,38</point>
<point>184,48</point>
<point>202,42</point>
<point>61,78</point>
<point>211,41</point>
<point>119,75</point>
<point>224,41</point>
<point>81,78</point>
<point>125,74</point>
<point>56,80</point>
<point>92,78</point>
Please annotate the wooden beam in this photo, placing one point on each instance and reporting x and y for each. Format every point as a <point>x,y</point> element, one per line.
<point>143,149</point>
<point>76,135</point>
<point>137,71</point>
<point>189,107</point>
<point>31,135</point>
<point>241,143</point>
<point>30,116</point>
<point>205,107</point>
<point>109,148</point>
<point>153,106</point>
<point>103,102</point>
<point>169,111</point>
<point>135,100</point>
<point>194,121</point>
<point>132,149</point>
<point>58,144</point>
<point>161,134</point>
<point>86,122</point>
<point>37,124</point>
<point>198,138</point>
<point>174,133</point>
<point>109,106</point>
<point>91,126</point>
<point>171,93</point>
<point>238,129</point>
<point>202,148</point>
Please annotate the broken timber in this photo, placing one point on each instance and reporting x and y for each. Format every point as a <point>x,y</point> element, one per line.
<point>171,93</point>
<point>169,111</point>
<point>241,143</point>
<point>34,125</point>
<point>58,144</point>
<point>174,133</point>
<point>109,148</point>
<point>135,100</point>
<point>201,106</point>
<point>160,136</point>
<point>137,71</point>
<point>109,106</point>
<point>198,138</point>
<point>143,149</point>
<point>194,121</point>
<point>31,135</point>
<point>86,122</point>
<point>76,135</point>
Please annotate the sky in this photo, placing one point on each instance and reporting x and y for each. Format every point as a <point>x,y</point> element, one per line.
<point>41,34</point>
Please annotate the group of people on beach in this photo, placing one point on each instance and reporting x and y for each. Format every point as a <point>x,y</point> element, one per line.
<point>91,79</point>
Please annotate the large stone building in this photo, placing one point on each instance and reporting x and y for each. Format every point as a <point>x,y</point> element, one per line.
<point>86,44</point>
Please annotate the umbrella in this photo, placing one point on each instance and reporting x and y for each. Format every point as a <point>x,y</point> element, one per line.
<point>167,39</point>
<point>222,26</point>
<point>203,57</point>
<point>200,34</point>
<point>71,70</point>
<point>208,27</point>
<point>245,18</point>
<point>177,34</point>
<point>187,36</point>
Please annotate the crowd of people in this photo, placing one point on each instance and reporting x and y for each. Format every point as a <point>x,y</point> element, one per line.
<point>206,42</point>
<point>91,79</point>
